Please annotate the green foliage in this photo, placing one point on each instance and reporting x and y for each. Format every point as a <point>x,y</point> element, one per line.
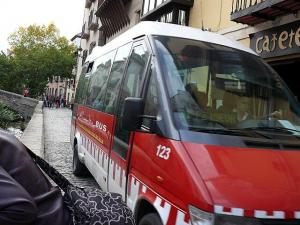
<point>8,78</point>
<point>4,70</point>
<point>38,53</point>
<point>7,116</point>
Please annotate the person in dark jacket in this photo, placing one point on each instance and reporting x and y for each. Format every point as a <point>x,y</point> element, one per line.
<point>26,195</point>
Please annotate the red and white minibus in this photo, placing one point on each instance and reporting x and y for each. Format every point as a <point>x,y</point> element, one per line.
<point>190,127</point>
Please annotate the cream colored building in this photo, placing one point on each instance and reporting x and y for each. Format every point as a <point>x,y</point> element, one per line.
<point>252,22</point>
<point>269,27</point>
<point>103,21</point>
<point>89,36</point>
<point>215,16</point>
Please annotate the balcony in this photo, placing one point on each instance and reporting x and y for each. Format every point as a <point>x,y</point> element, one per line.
<point>85,33</point>
<point>253,12</point>
<point>113,16</point>
<point>100,2</point>
<point>154,9</point>
<point>93,21</point>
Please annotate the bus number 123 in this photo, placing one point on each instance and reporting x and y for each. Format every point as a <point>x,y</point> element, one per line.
<point>163,152</point>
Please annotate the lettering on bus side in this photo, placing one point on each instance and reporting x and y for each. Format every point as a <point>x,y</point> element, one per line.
<point>101,126</point>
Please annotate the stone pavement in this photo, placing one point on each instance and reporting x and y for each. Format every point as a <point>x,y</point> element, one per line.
<point>57,150</point>
<point>33,136</point>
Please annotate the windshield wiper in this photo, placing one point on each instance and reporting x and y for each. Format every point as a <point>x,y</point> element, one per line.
<point>221,126</point>
<point>276,129</point>
<point>219,131</point>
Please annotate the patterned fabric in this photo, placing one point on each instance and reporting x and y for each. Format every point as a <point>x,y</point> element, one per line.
<point>88,206</point>
<point>91,206</point>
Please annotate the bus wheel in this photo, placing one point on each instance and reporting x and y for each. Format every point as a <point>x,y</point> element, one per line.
<point>150,219</point>
<point>79,168</point>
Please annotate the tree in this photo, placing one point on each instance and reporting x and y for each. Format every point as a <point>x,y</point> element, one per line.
<point>4,70</point>
<point>9,80</point>
<point>38,53</point>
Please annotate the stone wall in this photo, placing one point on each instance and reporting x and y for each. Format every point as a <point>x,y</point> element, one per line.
<point>23,105</point>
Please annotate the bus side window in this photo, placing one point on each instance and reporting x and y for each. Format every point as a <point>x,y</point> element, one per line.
<point>151,102</point>
<point>79,90</point>
<point>99,81</point>
<point>84,80</point>
<point>131,88</point>
<point>115,78</point>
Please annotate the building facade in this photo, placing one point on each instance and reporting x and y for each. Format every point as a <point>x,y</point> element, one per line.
<point>103,21</point>
<point>58,87</point>
<point>269,27</point>
<point>55,87</point>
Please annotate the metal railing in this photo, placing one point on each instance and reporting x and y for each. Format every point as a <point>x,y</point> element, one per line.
<point>238,5</point>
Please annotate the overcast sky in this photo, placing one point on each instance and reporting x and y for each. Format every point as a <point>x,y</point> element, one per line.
<point>67,15</point>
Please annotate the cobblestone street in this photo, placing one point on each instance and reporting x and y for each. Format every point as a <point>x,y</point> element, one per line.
<point>58,151</point>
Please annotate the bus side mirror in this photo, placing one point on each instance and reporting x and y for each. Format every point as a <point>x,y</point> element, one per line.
<point>133,109</point>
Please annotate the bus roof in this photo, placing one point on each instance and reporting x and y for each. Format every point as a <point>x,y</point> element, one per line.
<point>165,29</point>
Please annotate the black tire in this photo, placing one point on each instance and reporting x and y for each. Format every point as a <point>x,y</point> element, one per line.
<point>79,169</point>
<point>151,219</point>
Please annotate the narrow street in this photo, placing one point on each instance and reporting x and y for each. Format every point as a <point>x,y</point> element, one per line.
<point>58,151</point>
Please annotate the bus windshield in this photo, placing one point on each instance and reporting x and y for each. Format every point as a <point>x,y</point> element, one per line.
<point>216,87</point>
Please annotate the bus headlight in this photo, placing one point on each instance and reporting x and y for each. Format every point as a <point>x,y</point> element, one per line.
<point>199,217</point>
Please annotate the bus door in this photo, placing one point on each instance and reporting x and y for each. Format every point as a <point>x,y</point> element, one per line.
<point>131,87</point>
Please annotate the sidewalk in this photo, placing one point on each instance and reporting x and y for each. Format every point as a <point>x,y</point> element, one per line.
<point>33,136</point>
<point>48,135</point>
<point>58,151</point>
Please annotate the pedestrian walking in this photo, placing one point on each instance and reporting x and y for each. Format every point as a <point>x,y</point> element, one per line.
<point>57,101</point>
<point>72,103</point>
<point>62,102</point>
<point>52,101</point>
<point>45,100</point>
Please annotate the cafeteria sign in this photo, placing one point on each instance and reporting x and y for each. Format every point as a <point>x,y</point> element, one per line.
<point>278,41</point>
